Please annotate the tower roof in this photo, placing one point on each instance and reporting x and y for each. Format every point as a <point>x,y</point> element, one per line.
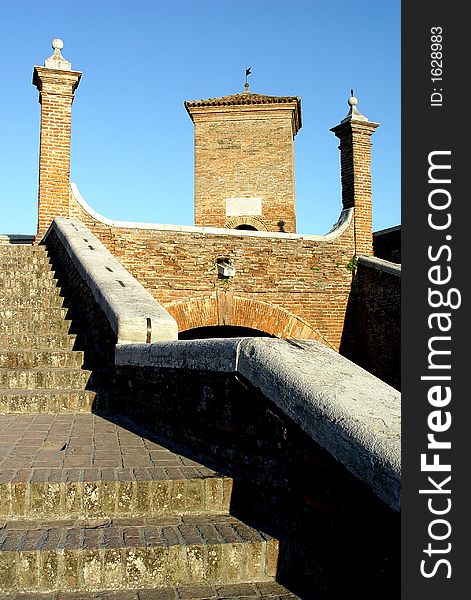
<point>246,99</point>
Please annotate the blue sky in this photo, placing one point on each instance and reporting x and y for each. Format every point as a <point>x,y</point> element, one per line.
<point>132,140</point>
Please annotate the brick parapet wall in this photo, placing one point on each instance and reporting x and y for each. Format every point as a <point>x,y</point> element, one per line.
<point>308,278</point>
<point>372,332</point>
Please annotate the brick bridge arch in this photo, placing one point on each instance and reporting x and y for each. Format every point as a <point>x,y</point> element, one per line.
<point>224,308</point>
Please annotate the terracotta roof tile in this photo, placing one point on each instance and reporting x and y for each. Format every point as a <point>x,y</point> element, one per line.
<point>247,98</point>
<point>243,98</point>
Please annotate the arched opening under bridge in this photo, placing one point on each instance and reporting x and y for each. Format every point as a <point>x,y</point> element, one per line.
<point>221,331</point>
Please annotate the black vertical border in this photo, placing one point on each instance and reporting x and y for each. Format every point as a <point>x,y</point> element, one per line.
<point>426,129</point>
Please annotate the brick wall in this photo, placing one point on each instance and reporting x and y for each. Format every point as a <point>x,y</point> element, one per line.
<point>287,286</point>
<point>303,284</point>
<point>372,333</point>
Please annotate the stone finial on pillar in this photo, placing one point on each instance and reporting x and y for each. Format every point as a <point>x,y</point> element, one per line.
<point>56,60</point>
<point>354,133</point>
<point>56,83</point>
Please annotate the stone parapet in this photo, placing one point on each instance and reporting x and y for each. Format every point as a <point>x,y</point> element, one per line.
<point>347,411</point>
<point>134,315</point>
<point>380,264</point>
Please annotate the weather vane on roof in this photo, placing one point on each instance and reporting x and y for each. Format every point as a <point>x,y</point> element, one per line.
<point>247,73</point>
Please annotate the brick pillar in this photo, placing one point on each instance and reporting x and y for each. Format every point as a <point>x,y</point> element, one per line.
<point>354,133</point>
<point>56,83</point>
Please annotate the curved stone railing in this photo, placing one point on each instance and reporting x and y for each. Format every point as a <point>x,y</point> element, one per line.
<point>345,409</point>
<point>134,315</point>
<point>344,220</point>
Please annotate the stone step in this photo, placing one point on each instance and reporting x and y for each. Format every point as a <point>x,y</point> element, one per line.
<point>34,270</point>
<point>74,465</point>
<point>35,314</point>
<point>26,359</point>
<point>269,590</point>
<point>81,493</point>
<point>12,260</point>
<point>53,325</point>
<point>46,401</point>
<point>12,327</point>
<point>32,303</point>
<point>8,294</point>
<point>22,251</point>
<point>21,274</point>
<point>133,553</point>
<point>29,288</point>
<point>22,247</point>
<point>34,341</point>
<point>48,378</point>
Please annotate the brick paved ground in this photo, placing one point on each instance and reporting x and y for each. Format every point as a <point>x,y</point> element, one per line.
<point>57,466</point>
<point>86,443</point>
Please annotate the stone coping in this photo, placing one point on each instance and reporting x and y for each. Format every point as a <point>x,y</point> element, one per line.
<point>349,412</point>
<point>380,265</point>
<point>337,230</point>
<point>387,230</point>
<point>16,238</point>
<point>134,315</point>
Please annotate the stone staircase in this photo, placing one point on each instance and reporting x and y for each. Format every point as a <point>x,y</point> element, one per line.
<point>91,506</point>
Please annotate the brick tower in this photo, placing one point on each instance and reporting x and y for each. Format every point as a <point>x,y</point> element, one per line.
<point>244,161</point>
<point>354,133</point>
<point>56,83</point>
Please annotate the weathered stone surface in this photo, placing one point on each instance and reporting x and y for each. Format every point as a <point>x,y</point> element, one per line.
<point>40,358</point>
<point>133,313</point>
<point>348,411</point>
<point>23,379</point>
<point>33,341</point>
<point>84,560</point>
<point>46,401</point>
